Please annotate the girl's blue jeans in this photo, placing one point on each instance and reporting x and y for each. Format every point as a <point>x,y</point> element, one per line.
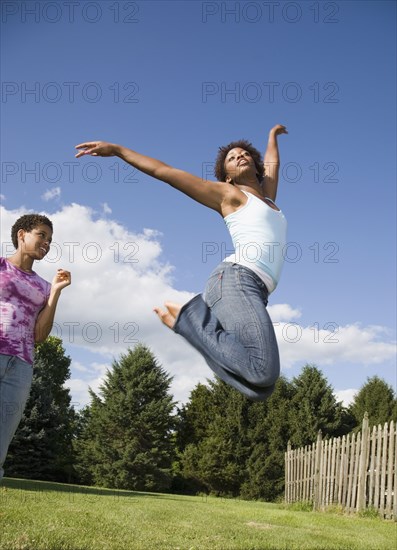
<point>231,328</point>
<point>15,382</point>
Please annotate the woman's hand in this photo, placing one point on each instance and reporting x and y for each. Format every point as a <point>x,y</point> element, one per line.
<point>97,149</point>
<point>279,129</point>
<point>45,318</point>
<point>61,280</point>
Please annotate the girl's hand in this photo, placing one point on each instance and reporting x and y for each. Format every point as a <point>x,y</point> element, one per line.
<point>61,280</point>
<point>279,129</point>
<point>96,149</point>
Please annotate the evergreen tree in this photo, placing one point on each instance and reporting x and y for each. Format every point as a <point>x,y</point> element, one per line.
<point>192,424</point>
<point>376,398</point>
<point>195,417</point>
<point>127,440</point>
<point>217,457</point>
<point>313,408</point>
<point>268,435</point>
<point>84,442</point>
<point>42,446</point>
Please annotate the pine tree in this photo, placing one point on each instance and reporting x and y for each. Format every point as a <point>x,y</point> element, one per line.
<point>217,458</point>
<point>195,416</point>
<point>376,398</point>
<point>192,425</point>
<point>313,408</point>
<point>84,441</point>
<point>42,445</point>
<point>127,441</point>
<point>268,435</point>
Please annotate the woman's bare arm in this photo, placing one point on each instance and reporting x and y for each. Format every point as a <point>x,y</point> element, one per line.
<point>272,162</point>
<point>208,193</point>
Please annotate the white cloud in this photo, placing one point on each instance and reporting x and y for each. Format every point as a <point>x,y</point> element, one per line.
<point>106,208</point>
<point>117,279</point>
<point>119,276</point>
<point>283,312</point>
<point>333,344</point>
<point>2,197</point>
<point>346,396</point>
<point>51,194</point>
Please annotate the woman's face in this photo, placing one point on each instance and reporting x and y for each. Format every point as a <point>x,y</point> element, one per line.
<point>35,243</point>
<point>238,162</point>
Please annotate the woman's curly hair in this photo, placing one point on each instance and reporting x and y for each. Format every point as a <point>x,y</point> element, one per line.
<point>219,169</point>
<point>27,223</point>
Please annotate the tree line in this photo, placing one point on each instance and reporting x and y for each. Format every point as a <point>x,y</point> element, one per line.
<point>133,436</point>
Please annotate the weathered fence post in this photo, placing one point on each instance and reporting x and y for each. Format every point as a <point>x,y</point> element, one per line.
<point>288,473</point>
<point>395,477</point>
<point>390,468</point>
<point>362,471</point>
<point>317,465</point>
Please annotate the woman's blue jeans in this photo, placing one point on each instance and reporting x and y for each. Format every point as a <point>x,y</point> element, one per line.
<point>15,382</point>
<point>231,328</point>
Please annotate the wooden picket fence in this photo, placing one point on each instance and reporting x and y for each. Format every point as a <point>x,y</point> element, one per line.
<point>356,472</point>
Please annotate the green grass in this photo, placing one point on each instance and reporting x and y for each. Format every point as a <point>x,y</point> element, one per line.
<point>49,516</point>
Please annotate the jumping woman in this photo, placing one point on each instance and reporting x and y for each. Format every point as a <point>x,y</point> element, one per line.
<point>229,323</point>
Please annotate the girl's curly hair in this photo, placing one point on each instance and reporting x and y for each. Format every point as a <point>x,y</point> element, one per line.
<point>27,223</point>
<point>219,169</point>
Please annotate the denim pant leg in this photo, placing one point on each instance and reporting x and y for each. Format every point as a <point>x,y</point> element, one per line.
<point>231,328</point>
<point>15,382</point>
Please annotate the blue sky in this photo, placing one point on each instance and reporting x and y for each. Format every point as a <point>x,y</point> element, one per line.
<point>175,80</point>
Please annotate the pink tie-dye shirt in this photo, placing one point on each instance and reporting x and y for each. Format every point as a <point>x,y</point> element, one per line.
<point>23,296</point>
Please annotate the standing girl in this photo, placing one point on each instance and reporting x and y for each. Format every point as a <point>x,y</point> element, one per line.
<point>28,305</point>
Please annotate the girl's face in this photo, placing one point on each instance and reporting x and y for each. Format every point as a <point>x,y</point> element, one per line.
<point>36,243</point>
<point>238,162</point>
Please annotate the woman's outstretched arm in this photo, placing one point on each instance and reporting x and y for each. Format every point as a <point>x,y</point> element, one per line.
<point>272,162</point>
<point>211,194</point>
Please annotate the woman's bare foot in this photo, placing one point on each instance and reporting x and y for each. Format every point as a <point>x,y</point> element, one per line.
<point>168,317</point>
<point>173,308</point>
<point>165,317</point>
